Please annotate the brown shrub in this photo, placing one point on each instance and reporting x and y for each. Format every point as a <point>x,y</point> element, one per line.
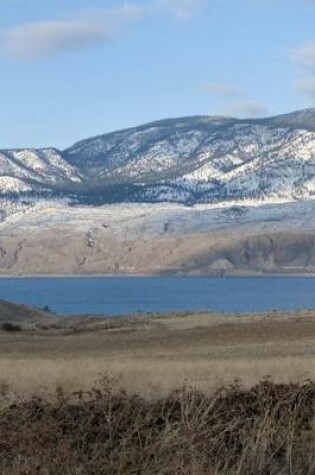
<point>11,327</point>
<point>263,431</point>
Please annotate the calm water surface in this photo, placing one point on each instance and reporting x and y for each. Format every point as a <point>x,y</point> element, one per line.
<point>121,295</point>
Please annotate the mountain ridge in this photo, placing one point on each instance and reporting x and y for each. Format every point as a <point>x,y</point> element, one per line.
<point>198,159</point>
<point>298,113</point>
<point>278,117</point>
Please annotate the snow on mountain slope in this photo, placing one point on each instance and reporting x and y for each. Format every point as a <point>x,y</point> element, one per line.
<point>10,184</point>
<point>48,164</point>
<point>205,159</point>
<point>54,238</point>
<point>281,163</point>
<point>31,169</point>
<point>189,160</point>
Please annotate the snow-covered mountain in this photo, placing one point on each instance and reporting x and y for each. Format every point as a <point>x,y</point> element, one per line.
<point>251,183</point>
<point>34,170</point>
<point>188,160</point>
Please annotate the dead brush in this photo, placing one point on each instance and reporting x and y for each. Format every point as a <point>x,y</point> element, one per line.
<point>266,430</point>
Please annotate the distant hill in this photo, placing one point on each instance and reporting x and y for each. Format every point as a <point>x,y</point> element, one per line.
<point>12,313</point>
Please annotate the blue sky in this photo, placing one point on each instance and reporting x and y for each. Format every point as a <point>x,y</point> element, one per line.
<point>71,69</point>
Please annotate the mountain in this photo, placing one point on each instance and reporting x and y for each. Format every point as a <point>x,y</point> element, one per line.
<point>31,169</point>
<point>188,160</point>
<point>196,195</point>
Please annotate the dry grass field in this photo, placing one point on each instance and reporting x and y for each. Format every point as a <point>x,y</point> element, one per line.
<point>157,395</point>
<point>153,355</point>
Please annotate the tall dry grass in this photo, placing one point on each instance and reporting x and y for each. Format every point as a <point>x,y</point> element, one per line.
<point>149,377</point>
<point>266,430</point>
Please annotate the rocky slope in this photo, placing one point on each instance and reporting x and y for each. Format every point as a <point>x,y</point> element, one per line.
<point>53,238</point>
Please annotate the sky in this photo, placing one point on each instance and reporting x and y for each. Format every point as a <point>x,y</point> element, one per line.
<point>72,69</point>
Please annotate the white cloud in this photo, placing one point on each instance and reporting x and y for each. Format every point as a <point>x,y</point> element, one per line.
<point>306,87</point>
<point>46,39</point>
<point>247,108</point>
<point>221,89</point>
<point>305,55</point>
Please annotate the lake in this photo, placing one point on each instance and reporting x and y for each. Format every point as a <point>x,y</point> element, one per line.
<point>123,295</point>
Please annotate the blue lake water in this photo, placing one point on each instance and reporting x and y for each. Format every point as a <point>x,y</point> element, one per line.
<point>123,295</point>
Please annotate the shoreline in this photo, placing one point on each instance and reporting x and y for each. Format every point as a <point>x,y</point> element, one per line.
<point>162,275</point>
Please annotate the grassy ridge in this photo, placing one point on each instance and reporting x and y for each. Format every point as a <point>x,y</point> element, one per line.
<point>266,430</point>
<point>14,313</point>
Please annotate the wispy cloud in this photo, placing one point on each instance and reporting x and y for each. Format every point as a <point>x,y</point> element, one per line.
<point>235,102</point>
<point>46,39</point>
<point>245,108</point>
<point>306,87</point>
<point>125,12</point>
<point>221,89</point>
<point>305,55</point>
<point>304,58</point>
<point>43,40</point>
<point>182,9</point>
